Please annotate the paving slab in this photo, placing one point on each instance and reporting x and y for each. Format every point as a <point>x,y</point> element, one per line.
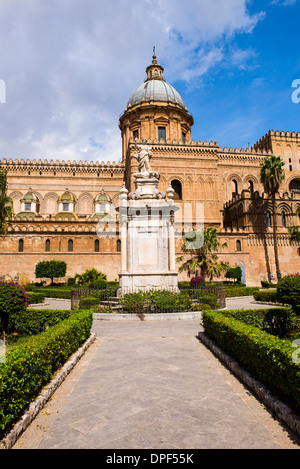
<point>153,385</point>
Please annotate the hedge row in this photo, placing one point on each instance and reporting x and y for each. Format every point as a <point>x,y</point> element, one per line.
<point>266,357</point>
<point>269,296</point>
<point>231,292</point>
<point>36,297</point>
<point>53,292</point>
<point>32,322</point>
<point>31,365</point>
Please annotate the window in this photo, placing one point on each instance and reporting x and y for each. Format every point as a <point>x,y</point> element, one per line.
<point>118,245</point>
<point>184,137</point>
<point>176,185</point>
<point>155,73</point>
<point>21,245</point>
<point>27,206</point>
<point>251,187</point>
<point>135,134</point>
<point>238,246</point>
<point>283,219</point>
<point>235,188</point>
<point>70,245</point>
<point>97,245</point>
<point>65,207</point>
<point>295,186</point>
<point>161,133</point>
<point>47,245</point>
<point>269,219</point>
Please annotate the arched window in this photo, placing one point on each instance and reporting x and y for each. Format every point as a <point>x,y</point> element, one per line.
<point>177,186</point>
<point>251,187</point>
<point>235,187</point>
<point>238,246</point>
<point>118,245</point>
<point>97,245</point>
<point>269,219</point>
<point>47,245</point>
<point>70,245</point>
<point>295,186</point>
<point>21,245</point>
<point>283,219</point>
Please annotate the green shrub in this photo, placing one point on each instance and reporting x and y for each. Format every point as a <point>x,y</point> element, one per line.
<point>266,284</point>
<point>71,281</point>
<point>55,292</point>
<point>164,301</point>
<point>269,296</point>
<point>36,297</point>
<point>288,291</point>
<point>100,283</point>
<point>13,299</point>
<point>266,357</point>
<point>31,365</point>
<point>133,302</point>
<point>88,302</point>
<point>34,321</point>
<point>239,291</point>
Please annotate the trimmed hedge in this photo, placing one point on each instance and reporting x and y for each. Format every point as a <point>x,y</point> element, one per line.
<point>30,366</point>
<point>269,296</point>
<point>34,321</point>
<point>54,292</point>
<point>36,297</point>
<point>266,357</point>
<point>231,292</point>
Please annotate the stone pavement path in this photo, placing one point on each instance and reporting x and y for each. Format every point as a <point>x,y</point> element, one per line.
<point>152,385</point>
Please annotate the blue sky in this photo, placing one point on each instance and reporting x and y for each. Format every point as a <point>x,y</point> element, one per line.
<point>237,103</point>
<point>69,67</point>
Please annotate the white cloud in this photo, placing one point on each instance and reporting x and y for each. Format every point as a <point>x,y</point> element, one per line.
<point>70,65</point>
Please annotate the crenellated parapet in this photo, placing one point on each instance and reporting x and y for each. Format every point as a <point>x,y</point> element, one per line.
<point>270,138</point>
<point>51,167</point>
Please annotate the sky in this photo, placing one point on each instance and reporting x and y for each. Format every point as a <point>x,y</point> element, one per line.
<point>68,68</point>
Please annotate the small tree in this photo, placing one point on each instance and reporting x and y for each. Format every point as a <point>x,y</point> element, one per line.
<point>50,269</point>
<point>234,273</point>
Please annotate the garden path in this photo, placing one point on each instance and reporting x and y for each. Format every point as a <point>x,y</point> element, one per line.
<point>153,385</point>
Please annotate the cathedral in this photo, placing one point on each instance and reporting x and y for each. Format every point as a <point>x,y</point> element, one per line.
<point>69,210</point>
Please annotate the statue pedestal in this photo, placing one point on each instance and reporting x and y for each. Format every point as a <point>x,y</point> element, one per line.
<point>147,238</point>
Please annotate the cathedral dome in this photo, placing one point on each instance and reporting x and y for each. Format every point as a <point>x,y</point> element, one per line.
<point>155,88</point>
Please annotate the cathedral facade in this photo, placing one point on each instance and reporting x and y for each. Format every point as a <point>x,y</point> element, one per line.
<point>69,210</point>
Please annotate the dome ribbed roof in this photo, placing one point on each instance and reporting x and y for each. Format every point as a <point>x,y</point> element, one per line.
<point>155,90</point>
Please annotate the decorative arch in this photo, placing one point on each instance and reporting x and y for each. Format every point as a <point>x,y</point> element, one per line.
<point>85,204</point>
<point>177,186</point>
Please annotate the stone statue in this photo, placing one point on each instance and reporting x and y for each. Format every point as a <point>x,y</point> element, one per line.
<point>143,157</point>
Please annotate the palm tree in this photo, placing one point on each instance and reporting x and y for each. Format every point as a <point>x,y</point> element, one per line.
<point>271,176</point>
<point>5,203</point>
<point>202,247</point>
